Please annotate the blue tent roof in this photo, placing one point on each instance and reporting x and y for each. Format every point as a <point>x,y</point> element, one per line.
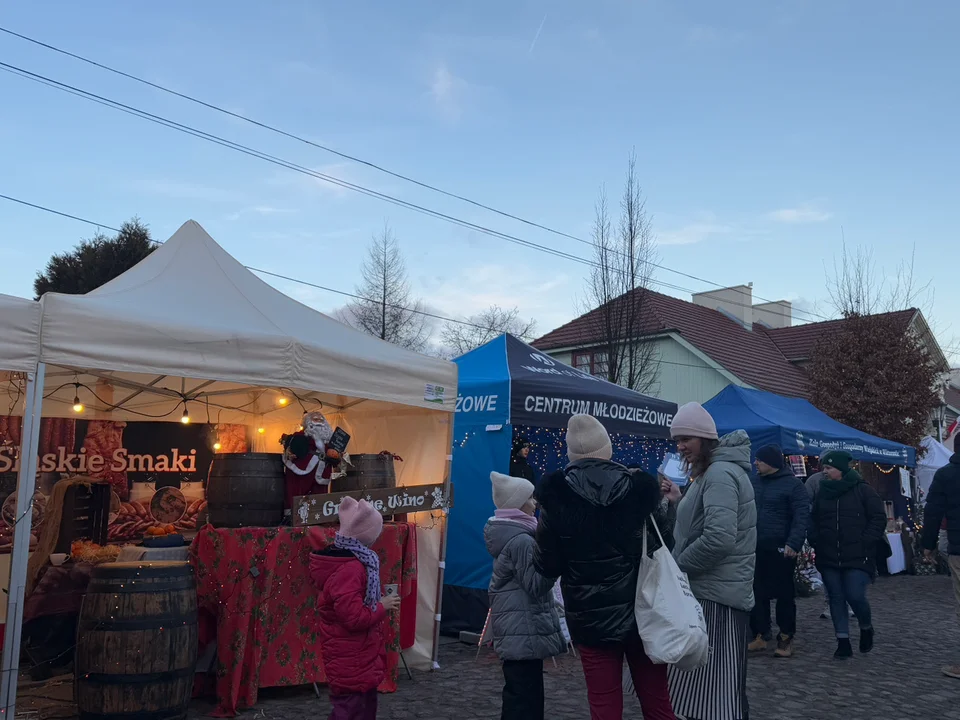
<point>798,427</point>
<point>509,382</point>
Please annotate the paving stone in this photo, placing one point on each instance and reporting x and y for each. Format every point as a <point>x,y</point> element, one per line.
<point>917,632</point>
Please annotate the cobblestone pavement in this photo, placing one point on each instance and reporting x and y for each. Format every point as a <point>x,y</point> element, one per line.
<point>917,632</point>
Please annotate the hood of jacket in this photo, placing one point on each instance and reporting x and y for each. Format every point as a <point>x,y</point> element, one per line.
<point>734,448</point>
<point>325,563</point>
<point>955,458</point>
<point>499,531</point>
<point>601,482</point>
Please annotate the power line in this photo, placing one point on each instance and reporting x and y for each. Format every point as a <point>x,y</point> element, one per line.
<point>263,272</point>
<point>361,161</point>
<point>46,209</point>
<point>203,135</point>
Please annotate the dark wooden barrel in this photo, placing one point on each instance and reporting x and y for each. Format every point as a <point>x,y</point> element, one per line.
<point>245,490</point>
<point>367,472</point>
<point>137,642</point>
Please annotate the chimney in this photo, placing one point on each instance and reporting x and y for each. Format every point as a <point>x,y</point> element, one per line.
<point>774,315</point>
<point>735,302</point>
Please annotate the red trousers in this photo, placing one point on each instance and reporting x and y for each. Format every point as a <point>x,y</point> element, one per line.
<point>603,670</point>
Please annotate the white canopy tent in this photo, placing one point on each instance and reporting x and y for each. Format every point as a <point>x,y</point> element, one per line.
<point>935,457</point>
<point>19,334</point>
<point>190,329</point>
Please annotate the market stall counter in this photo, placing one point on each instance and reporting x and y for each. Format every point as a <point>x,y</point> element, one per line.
<point>258,605</point>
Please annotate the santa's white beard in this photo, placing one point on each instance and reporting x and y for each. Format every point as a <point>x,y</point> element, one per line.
<point>320,436</point>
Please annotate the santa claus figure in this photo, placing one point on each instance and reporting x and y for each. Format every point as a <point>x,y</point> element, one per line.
<point>309,463</point>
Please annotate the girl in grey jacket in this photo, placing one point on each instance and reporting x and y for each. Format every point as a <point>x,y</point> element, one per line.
<point>523,614</point>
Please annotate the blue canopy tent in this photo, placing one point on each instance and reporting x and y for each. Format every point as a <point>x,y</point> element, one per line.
<point>798,427</point>
<point>507,388</point>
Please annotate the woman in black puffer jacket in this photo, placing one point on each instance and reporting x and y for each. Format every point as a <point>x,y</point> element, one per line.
<point>846,526</point>
<point>590,535</point>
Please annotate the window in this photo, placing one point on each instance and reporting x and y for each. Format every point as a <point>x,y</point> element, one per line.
<point>594,363</point>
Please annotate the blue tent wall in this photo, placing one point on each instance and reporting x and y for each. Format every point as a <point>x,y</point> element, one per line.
<point>483,401</point>
<point>798,427</point>
<point>504,379</point>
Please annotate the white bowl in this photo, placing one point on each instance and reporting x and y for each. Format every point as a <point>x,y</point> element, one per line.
<point>58,559</point>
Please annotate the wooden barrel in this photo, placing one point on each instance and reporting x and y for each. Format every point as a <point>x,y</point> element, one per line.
<point>245,490</point>
<point>137,642</point>
<point>367,472</point>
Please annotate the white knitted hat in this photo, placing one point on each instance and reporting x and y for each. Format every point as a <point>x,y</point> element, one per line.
<point>510,493</point>
<point>587,438</point>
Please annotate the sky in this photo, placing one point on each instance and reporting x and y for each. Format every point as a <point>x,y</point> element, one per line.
<point>766,133</point>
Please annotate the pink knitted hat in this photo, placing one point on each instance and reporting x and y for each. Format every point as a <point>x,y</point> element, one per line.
<point>692,420</point>
<point>360,521</point>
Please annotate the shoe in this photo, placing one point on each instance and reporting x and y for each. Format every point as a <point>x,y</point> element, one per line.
<point>784,646</point>
<point>824,616</point>
<point>866,640</point>
<point>758,645</point>
<point>952,671</point>
<point>844,650</point>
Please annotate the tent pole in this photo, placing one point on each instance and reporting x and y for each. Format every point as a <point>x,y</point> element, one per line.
<point>443,555</point>
<point>20,552</point>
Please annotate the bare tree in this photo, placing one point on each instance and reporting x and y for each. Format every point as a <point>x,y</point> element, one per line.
<point>483,327</point>
<point>618,290</point>
<point>874,371</point>
<point>386,309</point>
<point>858,288</point>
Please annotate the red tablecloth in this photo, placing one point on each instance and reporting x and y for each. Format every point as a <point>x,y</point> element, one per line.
<point>254,588</point>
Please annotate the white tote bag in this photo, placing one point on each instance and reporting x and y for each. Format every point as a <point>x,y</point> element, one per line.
<point>669,618</point>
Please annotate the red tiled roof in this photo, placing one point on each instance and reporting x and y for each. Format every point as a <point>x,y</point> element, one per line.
<point>753,357</point>
<point>797,342</point>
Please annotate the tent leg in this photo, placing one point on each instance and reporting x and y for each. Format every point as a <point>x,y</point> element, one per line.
<point>26,485</point>
<point>443,563</point>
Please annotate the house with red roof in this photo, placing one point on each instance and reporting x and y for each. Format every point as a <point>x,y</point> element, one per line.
<point>718,338</point>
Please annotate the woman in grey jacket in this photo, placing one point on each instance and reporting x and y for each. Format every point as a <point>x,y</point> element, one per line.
<point>716,539</point>
<point>523,614</point>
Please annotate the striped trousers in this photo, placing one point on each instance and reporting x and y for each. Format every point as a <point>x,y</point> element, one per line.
<point>718,690</point>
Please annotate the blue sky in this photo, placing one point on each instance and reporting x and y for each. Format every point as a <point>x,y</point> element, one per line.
<point>763,130</point>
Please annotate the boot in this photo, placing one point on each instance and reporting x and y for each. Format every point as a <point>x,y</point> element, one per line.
<point>844,650</point>
<point>784,646</point>
<point>866,640</point>
<point>758,645</point>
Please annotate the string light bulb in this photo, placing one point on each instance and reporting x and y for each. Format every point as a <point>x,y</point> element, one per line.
<point>261,429</point>
<point>77,405</point>
<point>283,401</point>
<point>185,418</point>
<point>217,446</point>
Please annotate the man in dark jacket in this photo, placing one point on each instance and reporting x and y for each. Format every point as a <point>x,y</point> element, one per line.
<point>943,503</point>
<point>519,467</point>
<point>783,512</point>
<point>590,535</point>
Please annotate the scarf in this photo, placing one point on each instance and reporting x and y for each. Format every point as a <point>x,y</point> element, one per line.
<point>370,560</point>
<point>832,489</point>
<point>519,517</point>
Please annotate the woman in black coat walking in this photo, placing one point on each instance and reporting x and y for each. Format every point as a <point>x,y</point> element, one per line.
<point>847,525</point>
<point>593,516</point>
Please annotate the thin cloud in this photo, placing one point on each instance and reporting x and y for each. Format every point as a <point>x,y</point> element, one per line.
<point>692,233</point>
<point>446,90</point>
<point>802,214</point>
